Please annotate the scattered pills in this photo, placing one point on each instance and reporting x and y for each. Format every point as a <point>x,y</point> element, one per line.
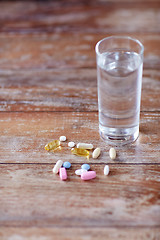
<point>71,144</point>
<point>82,149</point>
<point>84,145</point>
<point>88,175</point>
<point>55,144</point>
<point>67,165</point>
<point>62,138</point>
<point>96,153</point>
<point>57,166</point>
<point>112,153</point>
<point>85,166</point>
<point>80,152</point>
<point>63,173</point>
<point>80,171</point>
<point>106,170</point>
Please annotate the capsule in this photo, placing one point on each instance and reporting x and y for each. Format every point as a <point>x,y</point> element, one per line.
<point>96,153</point>
<point>52,146</point>
<point>80,152</point>
<point>88,175</point>
<point>84,145</point>
<point>63,173</point>
<point>57,166</point>
<point>112,153</point>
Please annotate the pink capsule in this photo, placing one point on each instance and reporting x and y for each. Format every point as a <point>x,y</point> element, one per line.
<point>88,175</point>
<point>63,173</point>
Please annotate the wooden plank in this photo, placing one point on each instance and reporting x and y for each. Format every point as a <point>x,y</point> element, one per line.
<point>64,50</point>
<point>43,90</point>
<point>33,196</point>
<point>43,233</point>
<point>99,16</point>
<point>24,135</point>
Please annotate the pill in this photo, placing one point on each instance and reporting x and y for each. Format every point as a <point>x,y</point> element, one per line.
<point>55,144</point>
<point>106,170</point>
<point>88,175</point>
<point>80,171</point>
<point>80,152</point>
<point>71,144</point>
<point>62,138</point>
<point>96,153</point>
<point>63,173</point>
<point>66,164</point>
<point>57,166</point>
<point>84,145</point>
<point>112,153</point>
<point>85,166</point>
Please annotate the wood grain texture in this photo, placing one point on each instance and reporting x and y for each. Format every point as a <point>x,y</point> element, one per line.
<point>80,16</point>
<point>43,90</point>
<point>129,196</point>
<point>42,233</point>
<point>24,135</point>
<point>64,50</point>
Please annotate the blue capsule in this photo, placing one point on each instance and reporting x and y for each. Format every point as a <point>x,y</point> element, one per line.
<point>85,166</point>
<point>66,164</point>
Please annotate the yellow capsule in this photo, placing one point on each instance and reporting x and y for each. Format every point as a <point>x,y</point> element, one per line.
<point>52,146</point>
<point>80,152</point>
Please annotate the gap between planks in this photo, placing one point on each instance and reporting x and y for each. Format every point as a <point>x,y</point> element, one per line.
<point>102,163</point>
<point>84,227</point>
<point>66,111</point>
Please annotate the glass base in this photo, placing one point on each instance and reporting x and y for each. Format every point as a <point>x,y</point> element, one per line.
<point>119,136</point>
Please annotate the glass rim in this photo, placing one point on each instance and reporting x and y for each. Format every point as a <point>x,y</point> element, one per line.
<point>120,37</point>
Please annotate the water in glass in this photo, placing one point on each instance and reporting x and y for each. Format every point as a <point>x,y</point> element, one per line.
<point>119,90</point>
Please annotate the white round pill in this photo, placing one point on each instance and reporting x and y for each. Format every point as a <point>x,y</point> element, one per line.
<point>71,144</point>
<point>106,170</point>
<point>62,138</point>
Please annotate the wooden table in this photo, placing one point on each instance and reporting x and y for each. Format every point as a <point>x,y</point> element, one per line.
<point>47,89</point>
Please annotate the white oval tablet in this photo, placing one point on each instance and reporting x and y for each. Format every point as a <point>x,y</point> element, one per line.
<point>106,170</point>
<point>112,153</point>
<point>80,171</point>
<point>96,153</point>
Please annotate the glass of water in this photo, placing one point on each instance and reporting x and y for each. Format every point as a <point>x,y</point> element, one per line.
<point>119,77</point>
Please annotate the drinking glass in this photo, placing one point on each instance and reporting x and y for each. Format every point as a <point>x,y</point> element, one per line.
<point>119,80</point>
